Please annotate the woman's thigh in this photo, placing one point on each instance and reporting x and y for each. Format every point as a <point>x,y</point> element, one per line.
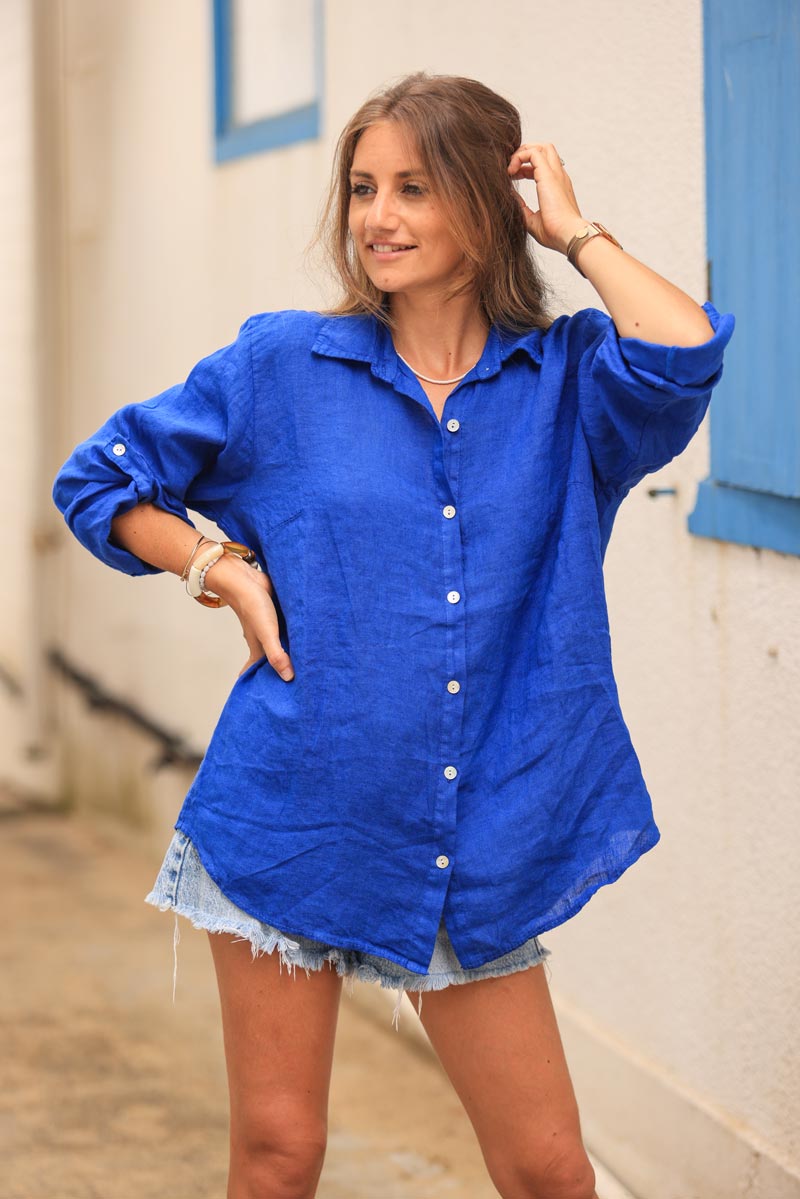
<point>499,1042</point>
<point>279,1029</point>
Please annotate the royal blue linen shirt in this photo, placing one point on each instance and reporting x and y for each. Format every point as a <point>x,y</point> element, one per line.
<point>452,742</point>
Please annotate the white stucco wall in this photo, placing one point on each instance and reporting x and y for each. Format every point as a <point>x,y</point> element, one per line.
<point>677,987</point>
<point>21,768</point>
<point>16,303</point>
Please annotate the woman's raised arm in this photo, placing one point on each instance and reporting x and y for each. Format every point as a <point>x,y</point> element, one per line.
<point>641,302</point>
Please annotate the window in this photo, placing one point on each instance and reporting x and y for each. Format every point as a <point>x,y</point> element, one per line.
<point>267,74</point>
<point>752,102</point>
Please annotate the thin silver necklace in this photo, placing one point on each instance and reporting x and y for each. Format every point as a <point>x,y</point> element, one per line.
<point>419,375</point>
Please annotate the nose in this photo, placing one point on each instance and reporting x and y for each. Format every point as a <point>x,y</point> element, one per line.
<point>382,212</point>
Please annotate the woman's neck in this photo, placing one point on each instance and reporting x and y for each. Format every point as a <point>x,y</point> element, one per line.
<point>441,340</point>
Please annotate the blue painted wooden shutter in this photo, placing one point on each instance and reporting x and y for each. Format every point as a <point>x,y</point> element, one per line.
<point>752,73</point>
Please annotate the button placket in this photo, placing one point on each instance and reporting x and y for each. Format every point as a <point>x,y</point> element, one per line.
<point>455,638</point>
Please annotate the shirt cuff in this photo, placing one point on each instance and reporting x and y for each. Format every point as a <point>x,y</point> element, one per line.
<point>671,368</point>
<point>101,479</point>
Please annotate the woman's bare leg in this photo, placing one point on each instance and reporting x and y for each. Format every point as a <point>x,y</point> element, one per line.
<point>279,1028</point>
<point>498,1040</point>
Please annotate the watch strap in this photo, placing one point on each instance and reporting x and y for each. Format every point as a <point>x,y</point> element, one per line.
<point>591,229</point>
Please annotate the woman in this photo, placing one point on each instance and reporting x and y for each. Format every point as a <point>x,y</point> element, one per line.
<point>422,764</point>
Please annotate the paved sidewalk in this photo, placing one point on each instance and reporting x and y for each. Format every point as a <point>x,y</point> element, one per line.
<point>107,1091</point>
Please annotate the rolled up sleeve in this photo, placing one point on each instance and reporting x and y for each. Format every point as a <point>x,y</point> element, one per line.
<point>189,446</point>
<point>641,403</point>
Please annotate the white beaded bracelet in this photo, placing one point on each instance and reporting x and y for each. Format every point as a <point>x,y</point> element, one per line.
<point>203,574</point>
<point>203,560</point>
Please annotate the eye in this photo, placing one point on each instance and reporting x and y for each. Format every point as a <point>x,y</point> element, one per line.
<point>359,189</point>
<point>414,189</point>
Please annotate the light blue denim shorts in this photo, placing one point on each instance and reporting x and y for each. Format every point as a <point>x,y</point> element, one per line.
<point>184,886</point>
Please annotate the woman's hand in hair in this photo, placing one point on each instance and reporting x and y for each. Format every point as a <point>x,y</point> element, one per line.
<point>642,303</point>
<point>558,216</point>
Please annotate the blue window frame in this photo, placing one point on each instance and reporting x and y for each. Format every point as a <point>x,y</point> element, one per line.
<point>752,110</point>
<point>267,74</point>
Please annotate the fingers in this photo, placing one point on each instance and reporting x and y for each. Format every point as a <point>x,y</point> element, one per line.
<point>529,216</point>
<point>260,631</point>
<point>264,640</point>
<point>525,160</point>
<point>553,223</point>
<point>250,594</point>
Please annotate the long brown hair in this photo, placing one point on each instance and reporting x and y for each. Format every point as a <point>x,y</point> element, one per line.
<point>465,135</point>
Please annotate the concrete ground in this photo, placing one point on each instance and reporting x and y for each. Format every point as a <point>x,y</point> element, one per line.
<point>108,1091</point>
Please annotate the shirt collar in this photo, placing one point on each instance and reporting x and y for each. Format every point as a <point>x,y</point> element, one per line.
<point>530,343</point>
<point>366,339</point>
<point>354,337</point>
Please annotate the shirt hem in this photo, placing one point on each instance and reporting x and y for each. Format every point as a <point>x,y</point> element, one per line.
<point>313,934</point>
<point>536,928</point>
<point>642,845</point>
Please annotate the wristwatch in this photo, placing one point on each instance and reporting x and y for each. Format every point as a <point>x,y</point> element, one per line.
<point>590,230</point>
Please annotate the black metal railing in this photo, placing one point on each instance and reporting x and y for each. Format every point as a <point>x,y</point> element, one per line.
<point>175,750</point>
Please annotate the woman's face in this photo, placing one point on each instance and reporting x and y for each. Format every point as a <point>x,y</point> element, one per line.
<point>400,235</point>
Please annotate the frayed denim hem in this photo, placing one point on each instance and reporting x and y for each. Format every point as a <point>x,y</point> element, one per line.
<point>213,912</point>
<point>291,955</point>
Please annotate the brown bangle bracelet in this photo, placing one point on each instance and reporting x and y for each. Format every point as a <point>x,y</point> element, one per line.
<point>241,551</point>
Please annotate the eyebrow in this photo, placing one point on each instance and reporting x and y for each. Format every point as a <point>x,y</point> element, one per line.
<point>400,174</point>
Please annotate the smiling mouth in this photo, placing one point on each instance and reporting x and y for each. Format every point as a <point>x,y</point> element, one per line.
<point>384,248</point>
